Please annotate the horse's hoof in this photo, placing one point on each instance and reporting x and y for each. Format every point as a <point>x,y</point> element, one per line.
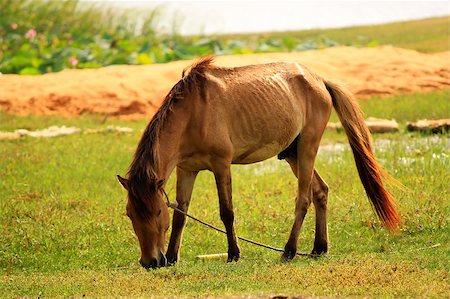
<point>288,256</point>
<point>319,250</point>
<point>317,253</point>
<point>171,263</point>
<point>233,257</point>
<point>172,260</point>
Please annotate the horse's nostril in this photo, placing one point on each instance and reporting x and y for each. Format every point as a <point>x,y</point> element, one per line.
<point>154,263</point>
<point>144,264</point>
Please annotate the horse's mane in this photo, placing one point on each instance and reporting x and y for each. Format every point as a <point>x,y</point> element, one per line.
<point>142,174</point>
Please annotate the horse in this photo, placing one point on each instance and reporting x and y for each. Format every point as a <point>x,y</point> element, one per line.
<point>216,116</point>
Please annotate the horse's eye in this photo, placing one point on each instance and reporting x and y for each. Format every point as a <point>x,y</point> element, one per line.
<point>159,213</point>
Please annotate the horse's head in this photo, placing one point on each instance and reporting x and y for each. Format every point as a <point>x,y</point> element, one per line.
<point>149,216</point>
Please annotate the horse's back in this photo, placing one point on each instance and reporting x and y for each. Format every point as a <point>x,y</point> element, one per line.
<point>257,110</point>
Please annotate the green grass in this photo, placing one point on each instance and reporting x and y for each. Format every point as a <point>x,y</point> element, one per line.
<point>407,107</point>
<point>64,231</point>
<point>427,35</point>
<point>9,122</point>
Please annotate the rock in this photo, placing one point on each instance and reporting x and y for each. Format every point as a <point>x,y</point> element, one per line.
<point>110,129</point>
<point>52,131</point>
<point>430,126</point>
<point>334,126</point>
<point>378,125</point>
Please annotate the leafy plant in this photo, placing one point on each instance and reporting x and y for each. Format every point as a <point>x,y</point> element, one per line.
<point>41,36</point>
<point>48,36</point>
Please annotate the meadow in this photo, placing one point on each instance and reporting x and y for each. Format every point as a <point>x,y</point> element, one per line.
<point>64,231</point>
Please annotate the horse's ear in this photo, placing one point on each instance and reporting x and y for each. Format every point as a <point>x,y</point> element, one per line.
<point>123,181</point>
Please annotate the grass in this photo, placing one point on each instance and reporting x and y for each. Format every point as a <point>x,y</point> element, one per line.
<point>407,107</point>
<point>427,35</point>
<point>64,232</point>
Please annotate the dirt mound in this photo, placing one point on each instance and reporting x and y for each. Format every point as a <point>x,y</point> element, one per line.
<point>136,91</point>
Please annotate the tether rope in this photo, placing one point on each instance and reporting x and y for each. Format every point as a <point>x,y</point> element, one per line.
<point>175,208</point>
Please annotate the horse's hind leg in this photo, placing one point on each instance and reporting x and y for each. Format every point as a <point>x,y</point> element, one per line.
<point>307,146</point>
<point>185,185</point>
<point>301,208</point>
<point>320,199</point>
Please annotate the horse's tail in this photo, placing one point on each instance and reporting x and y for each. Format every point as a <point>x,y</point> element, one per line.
<point>370,172</point>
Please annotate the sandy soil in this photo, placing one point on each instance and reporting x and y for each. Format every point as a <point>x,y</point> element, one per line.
<point>137,91</point>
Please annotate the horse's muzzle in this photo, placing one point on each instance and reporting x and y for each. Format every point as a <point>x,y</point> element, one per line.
<point>154,262</point>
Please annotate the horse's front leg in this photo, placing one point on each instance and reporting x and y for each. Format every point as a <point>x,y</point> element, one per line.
<point>185,185</point>
<point>223,182</point>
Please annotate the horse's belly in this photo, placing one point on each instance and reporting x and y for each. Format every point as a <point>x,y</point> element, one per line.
<point>264,138</point>
<point>261,153</point>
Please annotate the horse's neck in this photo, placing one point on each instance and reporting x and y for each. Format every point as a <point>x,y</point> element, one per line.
<point>169,139</point>
<point>172,135</point>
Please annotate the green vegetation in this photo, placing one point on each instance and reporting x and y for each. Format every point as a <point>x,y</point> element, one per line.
<point>48,36</point>
<point>407,107</point>
<point>64,232</point>
<point>427,35</point>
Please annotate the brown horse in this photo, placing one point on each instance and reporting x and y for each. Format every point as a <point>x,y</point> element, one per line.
<point>214,117</point>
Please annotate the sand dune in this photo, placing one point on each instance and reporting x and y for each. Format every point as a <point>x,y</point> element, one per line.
<point>136,91</point>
